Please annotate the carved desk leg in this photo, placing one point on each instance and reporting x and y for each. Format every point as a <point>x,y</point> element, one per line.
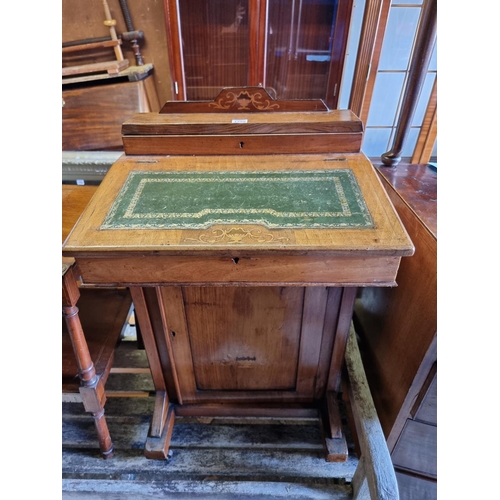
<point>92,387</point>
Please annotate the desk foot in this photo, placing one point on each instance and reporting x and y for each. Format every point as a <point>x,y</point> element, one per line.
<point>105,443</point>
<point>157,448</point>
<point>336,449</point>
<point>335,442</point>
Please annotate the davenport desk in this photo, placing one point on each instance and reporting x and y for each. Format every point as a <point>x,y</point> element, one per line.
<point>243,228</point>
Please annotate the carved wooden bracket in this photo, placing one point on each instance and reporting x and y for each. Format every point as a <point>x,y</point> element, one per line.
<point>246,100</point>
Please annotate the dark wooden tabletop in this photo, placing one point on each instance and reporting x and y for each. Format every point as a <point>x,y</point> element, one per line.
<point>417,185</point>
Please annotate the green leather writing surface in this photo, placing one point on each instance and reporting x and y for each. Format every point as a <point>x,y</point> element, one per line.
<point>275,199</point>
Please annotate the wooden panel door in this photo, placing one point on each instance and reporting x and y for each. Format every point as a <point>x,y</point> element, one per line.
<point>244,338</point>
<point>243,344</point>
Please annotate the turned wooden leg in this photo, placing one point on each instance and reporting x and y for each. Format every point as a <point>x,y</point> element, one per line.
<point>92,387</point>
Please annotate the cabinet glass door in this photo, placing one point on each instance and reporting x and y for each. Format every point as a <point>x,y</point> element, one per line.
<point>216,46</point>
<point>293,48</point>
<point>299,47</point>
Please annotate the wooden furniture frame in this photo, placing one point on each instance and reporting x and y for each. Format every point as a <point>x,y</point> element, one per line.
<point>372,34</point>
<point>373,29</point>
<point>374,477</point>
<point>288,473</point>
<point>290,291</point>
<point>111,67</point>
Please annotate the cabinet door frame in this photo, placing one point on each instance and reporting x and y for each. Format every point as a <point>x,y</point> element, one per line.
<point>258,24</point>
<point>318,331</point>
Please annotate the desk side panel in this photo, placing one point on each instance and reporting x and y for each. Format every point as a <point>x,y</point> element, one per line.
<point>399,325</point>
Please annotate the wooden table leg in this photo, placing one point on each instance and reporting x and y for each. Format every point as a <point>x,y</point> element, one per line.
<point>162,423</point>
<point>158,442</point>
<point>335,442</point>
<point>333,435</point>
<point>92,387</point>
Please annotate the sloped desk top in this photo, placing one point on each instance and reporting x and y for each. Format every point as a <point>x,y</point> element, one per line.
<point>252,223</point>
<point>365,225</point>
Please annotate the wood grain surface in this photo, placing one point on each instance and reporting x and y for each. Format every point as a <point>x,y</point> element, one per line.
<point>242,144</point>
<point>74,201</point>
<point>92,116</point>
<point>239,344</point>
<point>416,450</point>
<point>234,132</point>
<point>401,323</point>
<point>244,338</point>
<point>260,123</point>
<point>417,185</point>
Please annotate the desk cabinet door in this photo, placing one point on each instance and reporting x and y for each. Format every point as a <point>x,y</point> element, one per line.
<point>249,343</point>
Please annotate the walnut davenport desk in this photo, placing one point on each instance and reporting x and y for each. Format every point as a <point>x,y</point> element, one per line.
<point>243,227</point>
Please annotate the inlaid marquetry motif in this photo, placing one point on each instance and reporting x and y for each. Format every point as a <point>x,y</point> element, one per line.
<point>274,199</point>
<point>236,235</point>
<point>244,101</point>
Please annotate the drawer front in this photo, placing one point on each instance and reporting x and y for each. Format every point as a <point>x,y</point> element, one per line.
<point>241,144</point>
<point>260,270</point>
<point>416,449</point>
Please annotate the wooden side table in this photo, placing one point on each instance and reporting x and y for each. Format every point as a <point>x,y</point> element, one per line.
<point>92,323</point>
<point>79,372</point>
